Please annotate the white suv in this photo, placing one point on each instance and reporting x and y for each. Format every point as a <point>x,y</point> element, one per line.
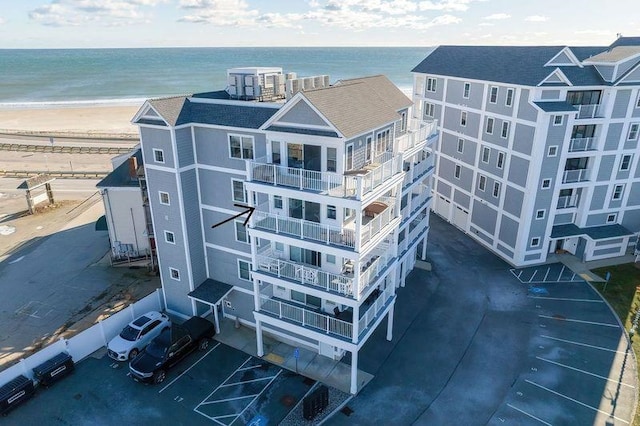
<point>135,336</point>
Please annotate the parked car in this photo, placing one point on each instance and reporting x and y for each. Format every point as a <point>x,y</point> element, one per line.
<point>170,347</point>
<point>135,336</point>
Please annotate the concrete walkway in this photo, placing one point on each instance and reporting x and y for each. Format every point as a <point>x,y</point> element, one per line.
<point>309,363</point>
<point>584,268</point>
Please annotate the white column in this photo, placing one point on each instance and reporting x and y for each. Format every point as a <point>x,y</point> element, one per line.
<point>256,295</point>
<point>354,372</point>
<point>404,273</point>
<point>216,321</point>
<point>356,324</point>
<point>358,229</point>
<point>390,323</point>
<point>424,248</point>
<point>259,348</point>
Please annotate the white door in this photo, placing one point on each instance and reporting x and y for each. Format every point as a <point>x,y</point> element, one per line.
<point>460,217</point>
<point>442,207</point>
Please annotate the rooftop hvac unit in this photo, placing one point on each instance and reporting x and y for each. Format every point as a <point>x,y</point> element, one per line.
<point>248,80</point>
<point>278,84</point>
<point>291,76</point>
<point>292,87</point>
<point>232,91</point>
<point>318,82</point>
<point>308,83</point>
<point>326,80</point>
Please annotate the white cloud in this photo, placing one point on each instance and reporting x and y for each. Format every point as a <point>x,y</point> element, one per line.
<point>595,32</point>
<point>486,24</point>
<point>2,20</point>
<point>103,12</point>
<point>447,5</point>
<point>497,16</point>
<point>536,18</point>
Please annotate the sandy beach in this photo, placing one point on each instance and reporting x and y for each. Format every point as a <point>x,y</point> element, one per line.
<point>92,119</point>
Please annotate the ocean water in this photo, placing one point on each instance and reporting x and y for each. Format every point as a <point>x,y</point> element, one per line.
<point>59,76</point>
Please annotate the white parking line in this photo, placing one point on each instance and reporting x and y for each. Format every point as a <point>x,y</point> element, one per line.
<point>565,299</point>
<point>225,381</point>
<point>250,368</point>
<point>256,397</point>
<point>582,344</point>
<point>185,371</point>
<point>228,399</point>
<point>585,372</point>
<point>576,401</point>
<point>529,415</point>
<point>246,381</point>
<point>580,321</point>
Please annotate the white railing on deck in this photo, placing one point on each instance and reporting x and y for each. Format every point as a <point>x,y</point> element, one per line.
<point>417,133</point>
<point>369,275</point>
<point>577,175</point>
<point>581,144</point>
<point>306,317</point>
<point>568,201</point>
<point>381,220</point>
<point>590,111</point>
<point>418,170</point>
<point>374,309</point>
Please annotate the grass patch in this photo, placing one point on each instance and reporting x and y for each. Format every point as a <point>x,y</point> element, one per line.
<point>623,294</point>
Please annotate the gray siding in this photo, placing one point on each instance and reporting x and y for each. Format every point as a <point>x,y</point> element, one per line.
<point>561,59</point>
<point>538,229</point>
<point>550,94</point>
<point>484,217</point>
<point>621,104</point>
<point>217,189</point>
<point>631,220</point>
<point>223,235</point>
<point>563,218</point>
<point>452,122</point>
<point>621,174</point>
<point>184,147</point>
<point>612,140</point>
<point>241,306</point>
<point>634,76</point>
<point>508,231</point>
<point>606,72</point>
<point>523,138</point>
<point>461,199</point>
<point>597,219</point>
<point>505,250</point>
<point>492,165</point>
<point>455,91</point>
<point>626,66</point>
<point>500,107</point>
<point>597,197</point>
<point>449,146</point>
<point>609,242</point>
<point>634,194</point>
<point>606,167</point>
<point>191,204</point>
<point>495,137</point>
<point>158,139</point>
<point>526,111</point>
<point>212,147</point>
<point>513,200</point>
<point>438,94</point>
<point>474,231</point>
<point>518,171</point>
<point>601,252</point>
<point>447,169</point>
<point>530,257</point>
<point>302,113</point>
<point>443,188</point>
<point>225,266</point>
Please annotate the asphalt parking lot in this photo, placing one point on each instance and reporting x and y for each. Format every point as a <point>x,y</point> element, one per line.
<point>222,386</point>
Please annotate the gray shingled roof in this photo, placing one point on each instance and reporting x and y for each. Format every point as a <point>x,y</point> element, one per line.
<point>594,232</point>
<point>556,106</point>
<point>120,176</point>
<point>210,291</point>
<point>359,105</point>
<point>616,54</point>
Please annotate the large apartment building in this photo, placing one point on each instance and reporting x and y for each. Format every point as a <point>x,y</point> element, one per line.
<point>538,146</point>
<point>339,176</point>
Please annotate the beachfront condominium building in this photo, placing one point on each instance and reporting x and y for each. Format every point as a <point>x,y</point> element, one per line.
<point>339,177</point>
<point>538,146</point>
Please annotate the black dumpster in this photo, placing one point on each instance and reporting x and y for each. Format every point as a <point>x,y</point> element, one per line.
<point>54,369</point>
<point>315,403</point>
<point>15,392</point>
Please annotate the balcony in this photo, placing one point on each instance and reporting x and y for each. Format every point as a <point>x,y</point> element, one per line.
<point>417,201</point>
<point>417,134</point>
<point>577,175</point>
<point>582,144</point>
<point>415,229</point>
<point>590,111</point>
<point>354,183</point>
<point>568,201</point>
<point>375,217</point>
<point>419,170</point>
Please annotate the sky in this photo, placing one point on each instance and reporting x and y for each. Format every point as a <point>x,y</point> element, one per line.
<point>199,23</point>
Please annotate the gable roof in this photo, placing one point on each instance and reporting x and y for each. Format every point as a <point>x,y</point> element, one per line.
<point>615,55</point>
<point>383,87</point>
<point>121,176</point>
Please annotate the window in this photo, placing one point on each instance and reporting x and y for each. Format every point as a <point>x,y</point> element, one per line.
<point>496,189</point>
<point>275,152</point>
<point>638,101</point>
<point>509,100</point>
<point>535,241</point>
<point>505,130</point>
<point>633,132</point>
<point>617,192</point>
<point>239,194</point>
<point>368,153</point>
<point>244,270</point>
<point>485,154</point>
<point>331,259</point>
<point>164,198</point>
<point>557,120</point>
<point>493,96</point>
<point>241,147</point>
<point>277,202</point>
<point>175,274</point>
<point>456,173</point>
<point>169,237</point>
<point>611,218</point>
<point>431,84</point>
<point>429,110</point>
<point>349,162</point>
<point>540,214</point>
<point>241,232</point>
<point>553,151</point>
<point>460,145</point>
<point>158,155</point>
<point>467,89</point>
<point>626,162</point>
<point>489,128</point>
<point>546,183</point>
<point>331,212</point>
<point>332,163</point>
<point>482,183</point>
<point>500,162</point>
<point>463,118</point>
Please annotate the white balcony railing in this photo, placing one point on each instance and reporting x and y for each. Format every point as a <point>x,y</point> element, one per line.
<point>374,309</point>
<point>416,228</point>
<point>568,201</point>
<point>375,225</point>
<point>590,111</point>
<point>418,170</point>
<point>417,134</point>
<point>582,144</point>
<point>370,274</point>
<point>578,175</point>
<point>306,317</point>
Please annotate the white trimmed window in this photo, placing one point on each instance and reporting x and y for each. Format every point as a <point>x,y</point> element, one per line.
<point>174,274</point>
<point>463,118</point>
<point>625,163</point>
<point>169,237</point>
<point>638,101</point>
<point>331,212</point>
<point>241,147</point>
<point>496,189</point>
<point>612,218</point>
<point>489,128</point>
<point>540,214</point>
<point>553,151</point>
<point>237,189</point>
<point>331,259</point>
<point>505,130</point>
<point>558,120</point>
<point>500,161</point>
<point>164,198</point>
<point>618,190</point>
<point>633,132</point>
<point>277,202</point>
<point>244,270</point>
<point>535,241</point>
<point>546,184</point>
<point>493,95</point>
<point>429,110</point>
<point>241,232</point>
<point>466,91</point>
<point>332,155</point>
<point>158,155</point>
<point>486,151</point>
<point>482,183</point>
<point>431,84</point>
<point>509,100</point>
<point>457,171</point>
<point>460,145</point>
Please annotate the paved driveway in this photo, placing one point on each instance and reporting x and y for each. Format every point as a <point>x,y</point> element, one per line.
<point>474,345</point>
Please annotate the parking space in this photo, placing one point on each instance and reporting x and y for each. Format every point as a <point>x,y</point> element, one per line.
<point>553,273</point>
<point>222,386</point>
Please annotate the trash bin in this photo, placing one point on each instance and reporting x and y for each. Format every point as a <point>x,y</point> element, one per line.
<point>315,403</point>
<point>54,369</point>
<point>15,392</point>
